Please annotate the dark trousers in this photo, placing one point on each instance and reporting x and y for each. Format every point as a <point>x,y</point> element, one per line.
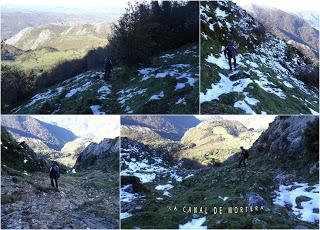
<point>242,160</point>
<point>106,74</point>
<point>234,62</point>
<point>54,180</point>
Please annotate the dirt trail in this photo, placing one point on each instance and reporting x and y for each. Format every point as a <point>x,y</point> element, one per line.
<point>84,200</point>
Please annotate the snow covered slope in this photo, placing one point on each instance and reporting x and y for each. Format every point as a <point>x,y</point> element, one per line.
<point>169,85</point>
<point>265,81</point>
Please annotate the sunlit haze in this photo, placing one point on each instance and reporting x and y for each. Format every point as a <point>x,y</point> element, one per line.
<point>98,127</point>
<point>285,5</point>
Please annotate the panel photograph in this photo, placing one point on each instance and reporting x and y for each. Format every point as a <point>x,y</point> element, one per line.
<point>220,172</point>
<point>259,57</point>
<point>100,57</point>
<point>60,172</point>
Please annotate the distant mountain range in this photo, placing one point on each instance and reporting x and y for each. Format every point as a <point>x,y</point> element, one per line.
<point>168,127</point>
<point>291,27</point>
<point>61,36</point>
<point>26,127</point>
<point>312,17</point>
<point>15,20</point>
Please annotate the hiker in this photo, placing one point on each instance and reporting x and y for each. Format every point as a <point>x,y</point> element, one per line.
<point>107,68</point>
<point>230,52</point>
<point>54,173</point>
<point>244,154</point>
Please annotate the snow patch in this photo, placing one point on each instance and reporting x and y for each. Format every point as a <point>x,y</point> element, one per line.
<point>194,224</point>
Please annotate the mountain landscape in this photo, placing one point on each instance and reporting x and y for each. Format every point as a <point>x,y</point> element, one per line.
<point>272,76</point>
<point>289,27</point>
<point>60,65</point>
<point>160,189</point>
<point>88,185</point>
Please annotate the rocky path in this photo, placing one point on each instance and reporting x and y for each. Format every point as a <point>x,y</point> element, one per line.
<point>84,200</point>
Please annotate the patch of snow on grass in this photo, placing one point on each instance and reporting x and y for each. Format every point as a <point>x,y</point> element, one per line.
<point>181,101</point>
<point>288,84</point>
<point>164,187</point>
<point>96,110</point>
<point>313,112</point>
<point>285,196</point>
<point>180,86</point>
<point>221,14</point>
<point>223,198</point>
<point>219,61</point>
<point>157,96</point>
<point>244,106</point>
<point>125,215</point>
<point>224,86</point>
<point>170,56</point>
<point>78,89</point>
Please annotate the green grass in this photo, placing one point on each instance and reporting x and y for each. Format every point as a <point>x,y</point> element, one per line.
<point>126,82</point>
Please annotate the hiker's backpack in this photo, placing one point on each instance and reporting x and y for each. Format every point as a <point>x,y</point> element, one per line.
<point>55,171</point>
<point>246,154</point>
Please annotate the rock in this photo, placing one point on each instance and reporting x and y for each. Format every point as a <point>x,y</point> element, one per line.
<point>239,75</point>
<point>309,188</point>
<point>293,187</point>
<point>315,210</point>
<point>137,186</point>
<point>255,200</point>
<point>300,199</point>
<point>288,206</point>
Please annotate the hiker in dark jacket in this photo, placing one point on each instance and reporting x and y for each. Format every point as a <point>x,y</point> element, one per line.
<point>107,69</point>
<point>244,154</point>
<point>54,173</point>
<point>230,52</point>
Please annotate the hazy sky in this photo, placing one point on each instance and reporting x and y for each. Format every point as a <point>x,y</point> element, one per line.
<point>69,3</point>
<point>86,125</point>
<point>285,5</point>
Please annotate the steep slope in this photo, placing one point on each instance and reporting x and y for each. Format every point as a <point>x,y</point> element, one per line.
<point>102,156</point>
<point>27,127</point>
<point>19,156</point>
<point>282,178</point>
<point>146,178</point>
<point>213,142</point>
<point>61,37</point>
<point>169,85</point>
<point>266,79</point>
<point>168,127</point>
<point>289,27</point>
